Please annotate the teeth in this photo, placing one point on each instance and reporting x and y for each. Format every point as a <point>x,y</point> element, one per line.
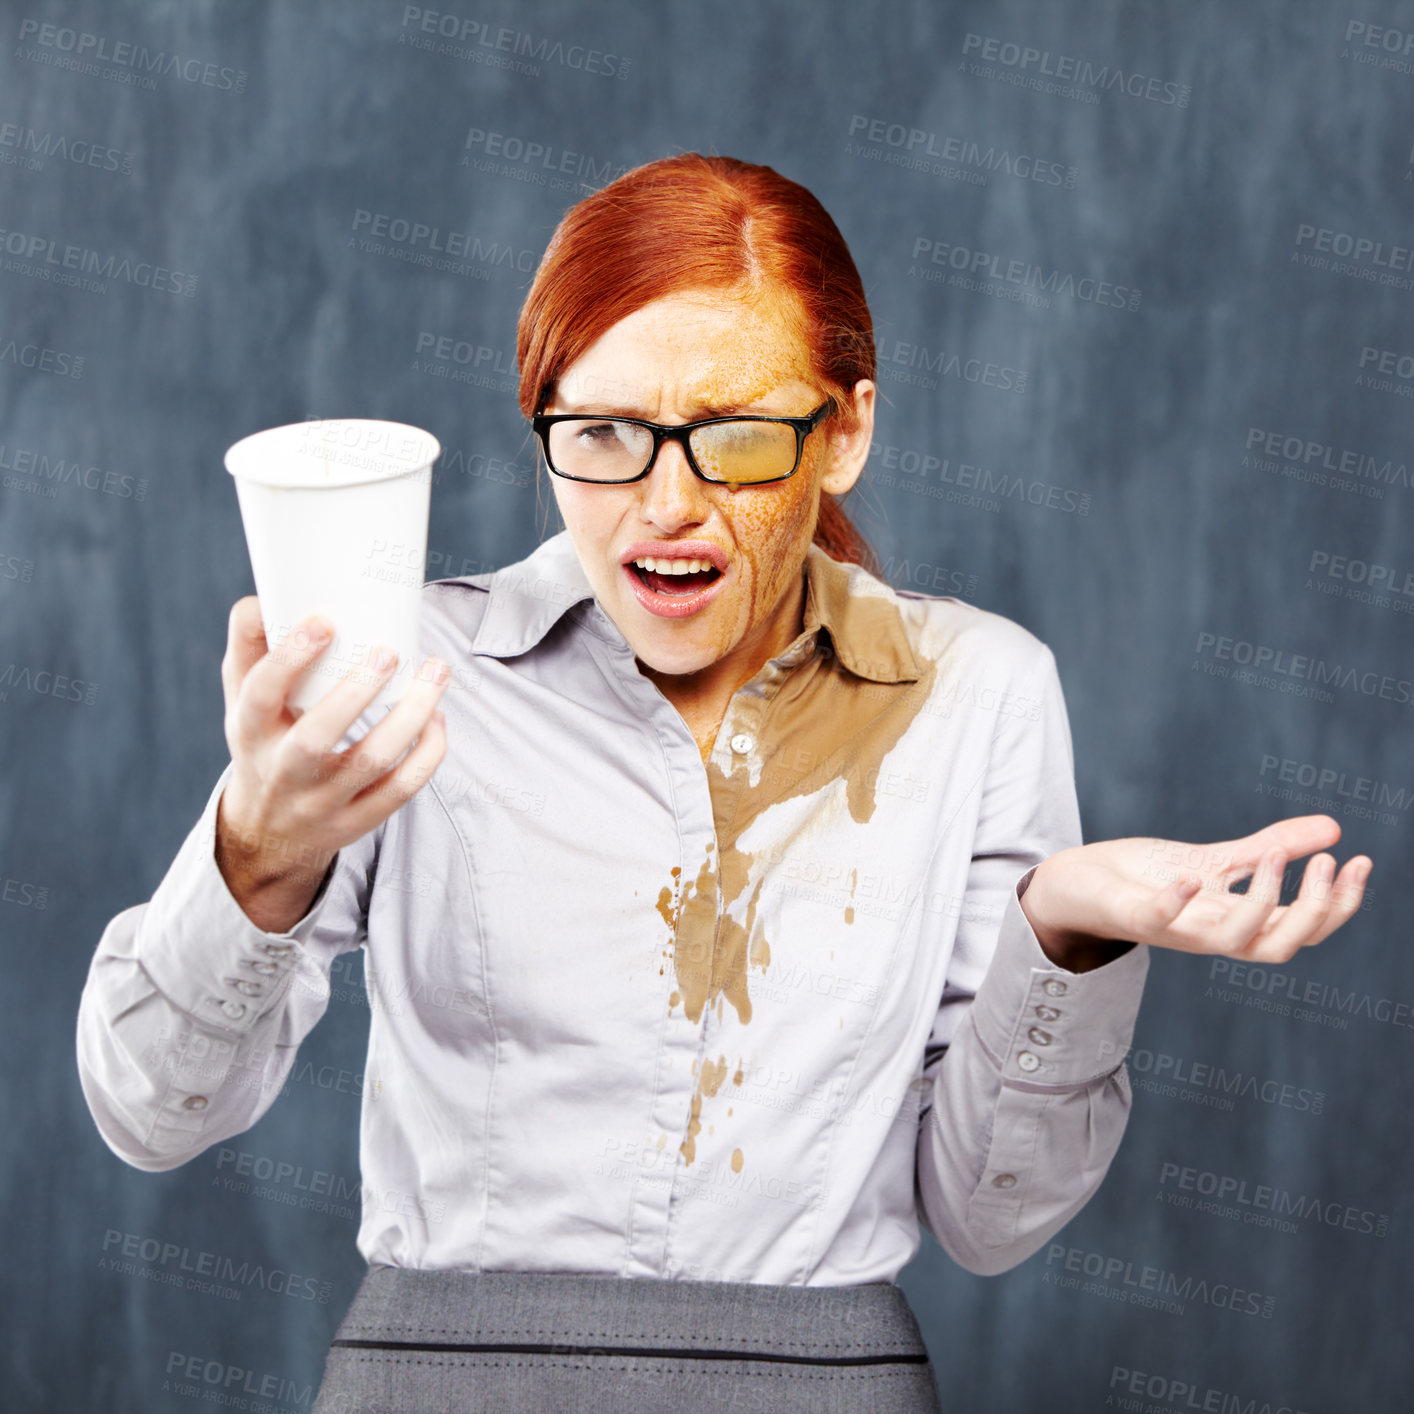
<point>647,562</point>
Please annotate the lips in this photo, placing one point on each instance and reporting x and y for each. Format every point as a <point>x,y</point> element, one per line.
<point>669,595</point>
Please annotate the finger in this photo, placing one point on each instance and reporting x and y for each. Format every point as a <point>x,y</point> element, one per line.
<point>1347,896</point>
<point>323,726</point>
<point>375,752</point>
<point>1342,899</point>
<point>1155,914</point>
<point>1295,837</point>
<point>1302,921</point>
<point>396,787</point>
<point>245,644</point>
<point>1348,891</point>
<point>1247,913</point>
<point>268,684</point>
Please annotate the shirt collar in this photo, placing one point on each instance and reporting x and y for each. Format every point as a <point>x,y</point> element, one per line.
<point>859,612</point>
<point>529,598</point>
<point>861,615</point>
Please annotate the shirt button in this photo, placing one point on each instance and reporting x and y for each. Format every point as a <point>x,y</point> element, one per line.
<point>265,969</point>
<point>1047,1013</point>
<point>1004,1180</point>
<point>195,1102</point>
<point>741,743</point>
<point>248,989</point>
<point>1053,988</point>
<point>1041,1038</point>
<point>235,1010</point>
<point>1028,1062</point>
<point>280,949</point>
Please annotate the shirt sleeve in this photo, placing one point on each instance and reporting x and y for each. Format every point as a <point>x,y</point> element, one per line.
<point>191,1015</point>
<point>1025,1094</point>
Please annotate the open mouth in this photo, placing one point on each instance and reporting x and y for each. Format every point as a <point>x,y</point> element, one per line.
<point>674,581</point>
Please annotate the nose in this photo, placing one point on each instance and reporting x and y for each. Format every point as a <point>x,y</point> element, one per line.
<point>673,496</point>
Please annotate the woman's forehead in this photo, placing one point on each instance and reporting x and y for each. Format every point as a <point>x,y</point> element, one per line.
<point>710,351</point>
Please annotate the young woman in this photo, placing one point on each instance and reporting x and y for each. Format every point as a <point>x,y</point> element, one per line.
<point>735,918</point>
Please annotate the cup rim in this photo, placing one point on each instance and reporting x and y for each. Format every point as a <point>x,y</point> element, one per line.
<point>250,459</point>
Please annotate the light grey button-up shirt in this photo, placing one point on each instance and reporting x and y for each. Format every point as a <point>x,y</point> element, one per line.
<point>637,1014</point>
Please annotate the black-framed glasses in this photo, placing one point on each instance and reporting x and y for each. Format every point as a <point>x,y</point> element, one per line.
<point>745,450</point>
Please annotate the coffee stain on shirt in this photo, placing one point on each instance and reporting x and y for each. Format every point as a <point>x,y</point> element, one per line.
<point>668,900</point>
<point>836,716</point>
<point>709,1081</point>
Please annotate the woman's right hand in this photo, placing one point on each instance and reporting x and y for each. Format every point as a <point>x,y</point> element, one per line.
<point>292,802</point>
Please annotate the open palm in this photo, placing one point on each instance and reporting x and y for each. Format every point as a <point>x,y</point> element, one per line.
<point>1168,894</point>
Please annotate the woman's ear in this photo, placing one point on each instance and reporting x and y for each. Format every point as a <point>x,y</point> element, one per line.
<point>850,451</point>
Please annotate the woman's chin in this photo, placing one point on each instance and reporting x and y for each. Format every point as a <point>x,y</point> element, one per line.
<point>674,660</point>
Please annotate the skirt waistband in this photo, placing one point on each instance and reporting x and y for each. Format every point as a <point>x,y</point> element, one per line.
<point>406,1309</point>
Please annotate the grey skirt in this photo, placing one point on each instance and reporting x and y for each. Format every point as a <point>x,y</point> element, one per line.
<point>423,1342</point>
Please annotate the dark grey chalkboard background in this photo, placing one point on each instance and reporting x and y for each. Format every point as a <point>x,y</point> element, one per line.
<point>1143,528</point>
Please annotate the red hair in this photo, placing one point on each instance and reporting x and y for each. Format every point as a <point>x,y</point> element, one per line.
<point>691,222</point>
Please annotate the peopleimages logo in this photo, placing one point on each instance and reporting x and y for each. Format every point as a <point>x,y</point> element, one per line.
<point>1262,1204</point>
<point>971,267</point>
<point>539,163</point>
<point>44,258</point>
<point>987,57</point>
<point>916,471</point>
<point>444,32</point>
<point>82,51</point>
<point>923,367</point>
<point>1379,45</point>
<point>1295,672</point>
<point>1355,256</point>
<point>417,243</point>
<point>1213,1085</point>
<point>1152,1287</point>
<point>132,1254</point>
<point>33,149</point>
<point>1287,993</point>
<point>230,1384</point>
<point>43,360</point>
<point>1334,792</point>
<point>1386,370</point>
<point>1127,1386</point>
<point>943,155</point>
<point>1282,453</point>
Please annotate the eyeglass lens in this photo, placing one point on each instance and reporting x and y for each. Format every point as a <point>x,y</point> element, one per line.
<point>603,449</point>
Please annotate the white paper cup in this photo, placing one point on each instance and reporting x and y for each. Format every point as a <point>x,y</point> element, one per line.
<point>335,515</point>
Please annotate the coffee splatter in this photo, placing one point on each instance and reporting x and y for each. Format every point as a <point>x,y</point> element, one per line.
<point>709,1081</point>
<point>668,904</point>
<point>828,721</point>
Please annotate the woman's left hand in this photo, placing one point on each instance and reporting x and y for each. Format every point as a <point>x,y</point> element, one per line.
<point>1172,895</point>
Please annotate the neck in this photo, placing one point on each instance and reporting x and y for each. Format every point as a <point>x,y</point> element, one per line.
<point>702,697</point>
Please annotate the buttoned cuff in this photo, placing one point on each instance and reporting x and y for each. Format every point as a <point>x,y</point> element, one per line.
<point>1048,1028</point>
<point>201,950</point>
